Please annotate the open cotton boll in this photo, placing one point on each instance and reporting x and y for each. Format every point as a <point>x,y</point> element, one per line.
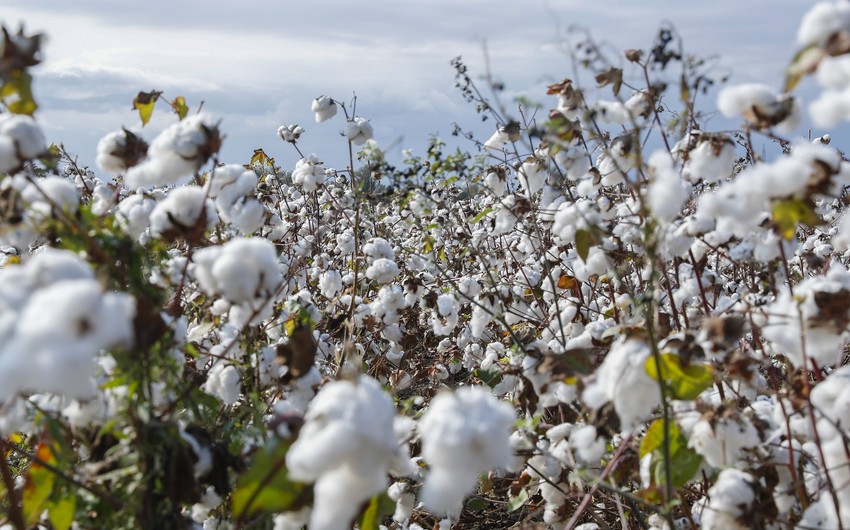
<point>822,21</point>
<point>731,498</point>
<point>667,192</point>
<point>119,151</point>
<point>623,381</point>
<point>378,247</point>
<point>241,270</point>
<point>308,173</point>
<point>182,210</point>
<point>134,214</point>
<point>58,334</point>
<point>464,434</point>
<point>818,310</point>
<point>223,382</point>
<point>177,152</point>
<point>382,270</point>
<point>20,139</point>
<point>532,175</point>
<point>722,441</point>
<point>347,445</point>
<point>324,107</point>
<point>45,195</point>
<point>290,133</point>
<point>760,105</point>
<point>358,130</point>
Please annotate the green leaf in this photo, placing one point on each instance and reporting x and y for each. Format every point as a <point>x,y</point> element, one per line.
<point>144,103</point>
<point>38,485</point>
<point>481,215</point>
<point>266,486</point>
<point>684,464</point>
<point>61,512</point>
<point>16,93</point>
<point>804,62</point>
<point>180,107</point>
<point>515,503</point>
<point>790,213</point>
<point>379,507</point>
<point>583,241</point>
<point>490,378</point>
<point>654,437</point>
<point>685,382</point>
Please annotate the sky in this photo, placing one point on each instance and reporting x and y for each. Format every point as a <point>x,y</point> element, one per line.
<point>258,65</point>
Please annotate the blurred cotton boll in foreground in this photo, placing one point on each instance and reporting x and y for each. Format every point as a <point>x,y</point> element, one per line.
<point>347,445</point>
<point>464,434</point>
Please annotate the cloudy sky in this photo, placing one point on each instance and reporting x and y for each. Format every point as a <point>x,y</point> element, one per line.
<point>259,64</point>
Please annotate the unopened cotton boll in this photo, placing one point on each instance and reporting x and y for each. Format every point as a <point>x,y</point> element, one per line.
<point>358,130</point>
<point>324,107</point>
<point>464,434</point>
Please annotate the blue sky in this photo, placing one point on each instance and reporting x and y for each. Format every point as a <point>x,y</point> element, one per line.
<point>259,64</point>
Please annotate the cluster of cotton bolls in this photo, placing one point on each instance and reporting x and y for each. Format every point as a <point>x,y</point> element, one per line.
<point>519,332</point>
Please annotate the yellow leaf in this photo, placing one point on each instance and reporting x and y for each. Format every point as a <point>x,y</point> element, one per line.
<point>144,102</point>
<point>16,93</point>
<point>38,485</point>
<point>804,63</point>
<point>788,214</point>
<point>180,107</point>
<point>259,157</point>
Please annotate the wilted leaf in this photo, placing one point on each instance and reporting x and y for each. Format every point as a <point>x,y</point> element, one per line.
<point>802,64</point>
<point>379,507</point>
<point>517,502</point>
<point>566,282</point>
<point>180,107</point>
<point>38,485</point>
<point>613,77</point>
<point>299,353</point>
<point>790,213</point>
<point>266,486</point>
<point>260,157</point>
<point>684,382</point>
<point>144,103</point>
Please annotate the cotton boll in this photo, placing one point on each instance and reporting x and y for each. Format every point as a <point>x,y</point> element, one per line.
<point>712,160</point>
<point>498,139</point>
<point>223,383</point>
<point>822,21</point>
<point>134,214</point>
<point>358,131</point>
<point>760,106</point>
<point>61,329</point>
<point>731,498</point>
<point>464,434</point>
<point>177,152</point>
<point>587,444</point>
<point>722,441</point>
<point>324,107</point>
<point>181,211</point>
<point>532,175</point>
<point>346,446</point>
<point>49,194</point>
<point>308,173</point>
<point>330,283</point>
<point>382,271</point>
<point>623,381</point>
<point>20,139</point>
<point>378,247</point>
<point>119,151</point>
<point>446,317</point>
<point>496,181</point>
<point>290,133</point>
<point>667,192</point>
<point>241,270</point>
